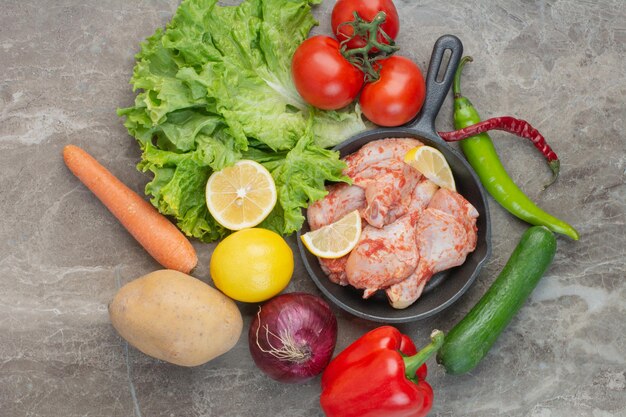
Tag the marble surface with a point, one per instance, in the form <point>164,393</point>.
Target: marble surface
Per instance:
<point>64,68</point>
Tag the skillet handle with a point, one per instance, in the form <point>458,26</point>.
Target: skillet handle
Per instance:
<point>436,91</point>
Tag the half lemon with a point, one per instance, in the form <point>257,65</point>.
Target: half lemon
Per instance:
<point>241,195</point>
<point>432,164</point>
<point>336,239</point>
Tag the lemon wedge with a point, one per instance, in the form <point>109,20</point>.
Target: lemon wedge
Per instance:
<point>336,239</point>
<point>432,164</point>
<point>242,195</point>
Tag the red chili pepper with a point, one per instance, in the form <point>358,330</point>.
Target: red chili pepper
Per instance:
<point>512,125</point>
<point>379,375</point>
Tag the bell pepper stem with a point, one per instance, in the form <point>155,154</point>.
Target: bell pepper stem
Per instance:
<point>412,363</point>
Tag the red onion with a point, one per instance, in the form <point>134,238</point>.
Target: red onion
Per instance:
<point>293,337</point>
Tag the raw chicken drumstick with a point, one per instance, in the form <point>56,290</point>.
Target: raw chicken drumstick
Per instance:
<point>444,238</point>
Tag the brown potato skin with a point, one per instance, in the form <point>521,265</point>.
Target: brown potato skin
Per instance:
<point>176,318</point>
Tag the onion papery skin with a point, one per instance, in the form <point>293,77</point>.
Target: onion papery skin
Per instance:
<point>293,337</point>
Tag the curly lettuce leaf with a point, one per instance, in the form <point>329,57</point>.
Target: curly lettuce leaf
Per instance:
<point>214,87</point>
<point>299,174</point>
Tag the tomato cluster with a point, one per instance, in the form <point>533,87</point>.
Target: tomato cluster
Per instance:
<point>326,78</point>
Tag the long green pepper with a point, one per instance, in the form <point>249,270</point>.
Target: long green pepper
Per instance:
<point>482,156</point>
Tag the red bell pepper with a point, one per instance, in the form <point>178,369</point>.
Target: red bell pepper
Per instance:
<point>379,375</point>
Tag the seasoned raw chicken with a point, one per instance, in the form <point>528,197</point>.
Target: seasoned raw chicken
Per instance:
<point>388,188</point>
<point>335,269</point>
<point>377,151</point>
<point>443,239</point>
<point>412,228</point>
<point>421,196</point>
<point>419,199</point>
<point>384,256</point>
<point>340,200</point>
<point>454,203</point>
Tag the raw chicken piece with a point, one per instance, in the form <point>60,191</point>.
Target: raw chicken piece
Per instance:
<point>388,188</point>
<point>442,243</point>
<point>446,233</point>
<point>421,196</point>
<point>414,229</point>
<point>405,293</point>
<point>454,203</point>
<point>340,200</point>
<point>443,240</point>
<point>383,257</point>
<point>377,151</point>
<point>335,269</point>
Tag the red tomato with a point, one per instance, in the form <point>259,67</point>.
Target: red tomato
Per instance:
<point>323,77</point>
<point>367,9</point>
<point>397,96</point>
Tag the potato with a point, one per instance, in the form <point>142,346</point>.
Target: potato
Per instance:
<point>176,318</point>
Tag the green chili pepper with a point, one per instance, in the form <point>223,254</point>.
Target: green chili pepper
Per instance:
<point>482,156</point>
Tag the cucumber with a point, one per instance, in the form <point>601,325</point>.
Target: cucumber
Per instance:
<point>470,340</point>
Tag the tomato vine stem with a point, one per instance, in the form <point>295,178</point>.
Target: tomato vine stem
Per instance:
<point>374,50</point>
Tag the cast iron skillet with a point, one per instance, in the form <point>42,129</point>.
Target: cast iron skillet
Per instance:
<point>445,287</point>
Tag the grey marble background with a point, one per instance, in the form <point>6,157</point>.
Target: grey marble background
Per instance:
<point>64,68</point>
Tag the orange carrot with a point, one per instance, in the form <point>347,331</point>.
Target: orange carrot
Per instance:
<point>167,245</point>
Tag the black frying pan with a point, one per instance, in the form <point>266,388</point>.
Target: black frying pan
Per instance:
<point>445,287</point>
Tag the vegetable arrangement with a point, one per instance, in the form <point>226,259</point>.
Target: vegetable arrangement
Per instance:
<point>224,87</point>
<point>482,156</point>
<point>215,87</point>
<point>330,74</point>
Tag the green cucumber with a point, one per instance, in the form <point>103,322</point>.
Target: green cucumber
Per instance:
<point>470,340</point>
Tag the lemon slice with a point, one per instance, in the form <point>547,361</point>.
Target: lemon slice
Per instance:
<point>336,239</point>
<point>432,164</point>
<point>241,196</point>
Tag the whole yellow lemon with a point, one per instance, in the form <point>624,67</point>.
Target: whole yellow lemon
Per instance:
<point>252,265</point>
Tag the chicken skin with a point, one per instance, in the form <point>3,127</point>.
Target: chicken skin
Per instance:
<point>388,186</point>
<point>454,203</point>
<point>335,269</point>
<point>444,239</point>
<point>376,151</point>
<point>383,257</point>
<point>421,196</point>
<point>340,200</point>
